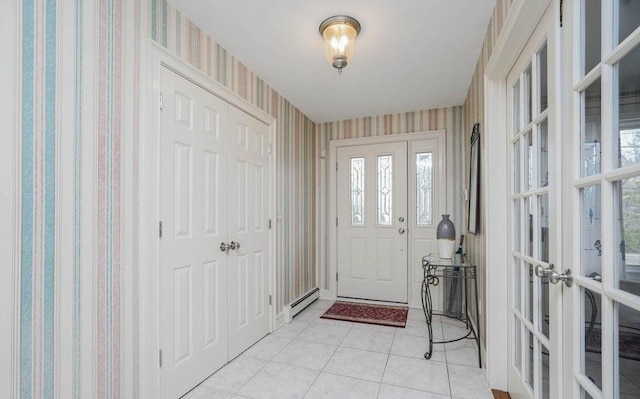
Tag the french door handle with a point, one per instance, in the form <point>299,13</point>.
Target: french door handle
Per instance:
<point>542,271</point>
<point>555,277</point>
<point>234,245</point>
<point>224,246</point>
<point>401,230</point>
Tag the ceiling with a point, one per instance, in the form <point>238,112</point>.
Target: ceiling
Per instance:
<point>411,54</point>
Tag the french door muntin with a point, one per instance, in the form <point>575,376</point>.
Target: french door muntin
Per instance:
<point>531,123</point>
<point>606,185</point>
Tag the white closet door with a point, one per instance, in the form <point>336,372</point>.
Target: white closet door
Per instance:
<point>248,207</point>
<point>372,222</point>
<point>193,270</point>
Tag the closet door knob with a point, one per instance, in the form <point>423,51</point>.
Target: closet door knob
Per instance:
<point>234,245</point>
<point>224,246</point>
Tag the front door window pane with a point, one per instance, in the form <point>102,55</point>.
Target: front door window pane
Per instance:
<point>629,17</point>
<point>591,129</point>
<point>528,226</point>
<point>385,190</point>
<point>543,223</point>
<point>629,108</point>
<point>591,18</point>
<point>518,222</point>
<point>516,108</point>
<point>516,167</point>
<point>591,238</point>
<point>527,95</point>
<point>357,191</point>
<point>424,185</point>
<point>545,360</point>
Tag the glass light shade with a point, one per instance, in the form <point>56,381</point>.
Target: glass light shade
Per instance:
<point>339,34</point>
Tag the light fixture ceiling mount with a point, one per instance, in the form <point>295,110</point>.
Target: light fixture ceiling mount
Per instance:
<point>339,33</point>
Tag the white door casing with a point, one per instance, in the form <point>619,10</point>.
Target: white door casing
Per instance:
<point>193,270</point>
<point>248,207</point>
<point>534,305</point>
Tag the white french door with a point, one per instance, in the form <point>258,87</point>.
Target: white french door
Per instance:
<point>602,314</point>
<point>372,222</point>
<point>534,324</point>
<point>214,245</point>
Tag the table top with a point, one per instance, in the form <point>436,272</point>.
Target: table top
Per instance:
<point>457,260</point>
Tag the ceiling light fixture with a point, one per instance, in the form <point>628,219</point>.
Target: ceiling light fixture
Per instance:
<point>339,33</point>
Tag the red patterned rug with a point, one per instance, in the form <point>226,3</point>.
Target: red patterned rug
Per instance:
<point>394,316</point>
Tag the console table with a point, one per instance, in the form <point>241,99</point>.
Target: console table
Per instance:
<point>460,271</point>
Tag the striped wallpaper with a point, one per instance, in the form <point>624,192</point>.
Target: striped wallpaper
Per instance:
<point>38,198</point>
<point>450,119</point>
<point>45,192</point>
<point>294,143</point>
<point>474,113</point>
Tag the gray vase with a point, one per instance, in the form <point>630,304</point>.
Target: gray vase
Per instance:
<point>446,229</point>
<point>446,235</point>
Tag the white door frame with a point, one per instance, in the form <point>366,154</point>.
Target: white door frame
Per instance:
<point>520,23</point>
<point>333,209</point>
<point>156,57</point>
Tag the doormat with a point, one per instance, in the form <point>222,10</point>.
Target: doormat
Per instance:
<point>628,344</point>
<point>393,316</point>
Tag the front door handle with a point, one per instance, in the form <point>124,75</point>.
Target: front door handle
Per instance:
<point>401,230</point>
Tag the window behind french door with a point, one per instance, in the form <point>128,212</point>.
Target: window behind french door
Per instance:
<point>606,197</point>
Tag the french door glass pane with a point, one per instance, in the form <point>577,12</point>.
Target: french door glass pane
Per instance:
<point>357,191</point>
<point>516,167</point>
<point>628,356</point>
<point>529,161</point>
<point>629,17</point>
<point>591,129</point>
<point>543,224</point>
<point>517,275</point>
<point>529,293</point>
<point>528,226</point>
<point>629,108</point>
<point>591,235</point>
<point>543,154</point>
<point>385,190</point>
<point>543,101</point>
<point>516,229</point>
<point>591,24</point>
<point>530,359</point>
<point>527,95</point>
<point>544,306</point>
<point>627,211</point>
<point>545,359</point>
<point>517,339</point>
<point>516,109</point>
<point>585,395</point>
<point>424,184</point>
<point>592,350</point>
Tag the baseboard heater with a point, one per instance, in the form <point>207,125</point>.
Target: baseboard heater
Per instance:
<point>299,304</point>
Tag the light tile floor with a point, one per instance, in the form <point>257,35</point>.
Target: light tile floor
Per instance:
<point>329,359</point>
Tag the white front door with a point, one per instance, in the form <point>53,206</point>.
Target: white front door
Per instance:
<point>248,210</point>
<point>534,324</point>
<point>372,221</point>
<point>602,313</point>
<point>193,270</point>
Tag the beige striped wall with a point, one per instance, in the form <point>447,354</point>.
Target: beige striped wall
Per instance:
<point>294,144</point>
<point>474,113</point>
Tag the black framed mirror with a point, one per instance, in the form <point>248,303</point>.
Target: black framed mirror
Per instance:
<point>474,180</point>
